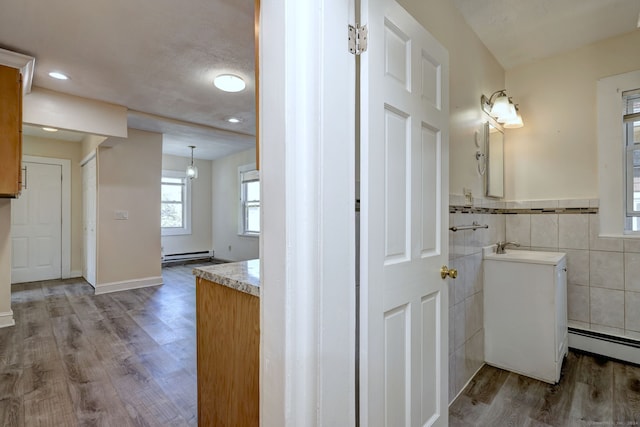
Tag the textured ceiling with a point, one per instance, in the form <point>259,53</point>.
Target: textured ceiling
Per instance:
<point>157,57</point>
<point>521,31</point>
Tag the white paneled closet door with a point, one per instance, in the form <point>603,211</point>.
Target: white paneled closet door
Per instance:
<point>89,196</point>
<point>36,225</point>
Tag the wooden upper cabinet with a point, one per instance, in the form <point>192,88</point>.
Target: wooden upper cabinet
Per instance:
<point>10,132</point>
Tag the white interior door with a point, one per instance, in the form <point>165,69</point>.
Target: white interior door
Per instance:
<point>36,225</point>
<point>89,220</point>
<point>404,217</point>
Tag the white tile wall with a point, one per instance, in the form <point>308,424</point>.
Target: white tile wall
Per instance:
<point>607,307</point>
<point>603,274</point>
<point>466,333</point>
<point>544,230</point>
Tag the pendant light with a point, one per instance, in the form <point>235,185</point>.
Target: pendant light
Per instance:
<point>192,170</point>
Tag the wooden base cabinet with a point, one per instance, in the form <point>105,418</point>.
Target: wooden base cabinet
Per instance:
<point>10,132</point>
<point>228,340</point>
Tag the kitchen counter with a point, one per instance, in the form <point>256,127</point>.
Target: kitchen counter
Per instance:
<point>228,343</point>
<point>243,276</point>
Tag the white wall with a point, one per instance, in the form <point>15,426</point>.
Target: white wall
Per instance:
<point>129,172</point>
<point>225,196</point>
<point>200,237</point>
<point>473,72</point>
<point>554,156</point>
<point>71,150</point>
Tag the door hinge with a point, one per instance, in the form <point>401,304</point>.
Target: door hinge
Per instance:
<point>357,39</point>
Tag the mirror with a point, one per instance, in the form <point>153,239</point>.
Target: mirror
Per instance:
<point>494,149</point>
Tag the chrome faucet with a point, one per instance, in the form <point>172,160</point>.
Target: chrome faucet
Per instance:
<point>502,245</point>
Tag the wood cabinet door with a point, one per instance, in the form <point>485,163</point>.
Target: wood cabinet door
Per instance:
<point>10,131</point>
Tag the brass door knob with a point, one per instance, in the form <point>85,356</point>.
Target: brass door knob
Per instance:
<point>446,271</point>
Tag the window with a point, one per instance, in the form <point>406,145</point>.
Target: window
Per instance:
<point>249,219</point>
<point>631,120</point>
<point>175,211</point>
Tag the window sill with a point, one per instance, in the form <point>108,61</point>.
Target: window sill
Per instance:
<point>249,235</point>
<point>175,232</point>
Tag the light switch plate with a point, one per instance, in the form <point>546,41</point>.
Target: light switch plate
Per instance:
<point>122,214</point>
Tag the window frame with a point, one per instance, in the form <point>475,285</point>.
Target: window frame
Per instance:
<point>242,205</point>
<point>632,215</point>
<point>186,205</point>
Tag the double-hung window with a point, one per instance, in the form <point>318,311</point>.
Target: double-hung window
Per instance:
<point>631,119</point>
<point>175,211</point>
<point>249,218</point>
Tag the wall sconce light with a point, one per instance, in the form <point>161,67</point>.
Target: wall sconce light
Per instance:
<point>500,106</point>
<point>192,170</point>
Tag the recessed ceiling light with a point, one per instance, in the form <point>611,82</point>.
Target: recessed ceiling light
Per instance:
<point>229,83</point>
<point>50,129</point>
<point>58,75</point>
<point>233,120</point>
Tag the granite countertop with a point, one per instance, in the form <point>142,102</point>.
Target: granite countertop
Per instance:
<point>243,276</point>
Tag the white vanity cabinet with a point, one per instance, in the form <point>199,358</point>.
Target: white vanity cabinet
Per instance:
<point>525,312</point>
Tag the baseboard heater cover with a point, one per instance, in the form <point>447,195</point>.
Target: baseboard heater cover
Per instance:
<point>615,347</point>
<point>187,256</point>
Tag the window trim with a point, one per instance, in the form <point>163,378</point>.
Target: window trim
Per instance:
<point>186,229</point>
<point>241,200</point>
<point>612,154</point>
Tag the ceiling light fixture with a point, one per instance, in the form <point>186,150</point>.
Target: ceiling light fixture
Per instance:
<point>233,120</point>
<point>501,107</point>
<point>192,170</point>
<point>229,83</point>
<point>50,129</point>
<point>58,75</point>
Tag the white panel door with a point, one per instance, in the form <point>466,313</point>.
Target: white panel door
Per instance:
<point>89,220</point>
<point>36,225</point>
<point>404,218</point>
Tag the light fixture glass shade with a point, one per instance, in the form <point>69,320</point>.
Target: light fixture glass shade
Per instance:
<point>510,115</point>
<point>500,107</point>
<point>515,123</point>
<point>192,172</point>
<point>229,83</point>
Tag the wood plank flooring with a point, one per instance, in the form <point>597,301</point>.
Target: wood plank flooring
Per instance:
<point>129,359</point>
<point>593,391</point>
<point>120,359</point>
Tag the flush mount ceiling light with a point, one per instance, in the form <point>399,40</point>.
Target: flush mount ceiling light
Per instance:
<point>58,75</point>
<point>233,120</point>
<point>50,129</point>
<point>229,83</point>
<point>192,170</point>
<point>501,107</point>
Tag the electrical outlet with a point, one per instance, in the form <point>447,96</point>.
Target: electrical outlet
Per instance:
<point>468,196</point>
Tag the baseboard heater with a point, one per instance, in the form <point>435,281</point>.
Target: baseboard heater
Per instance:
<point>187,256</point>
<point>615,347</point>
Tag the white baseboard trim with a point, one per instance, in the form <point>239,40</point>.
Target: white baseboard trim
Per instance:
<point>105,288</point>
<point>6,319</point>
<point>614,350</point>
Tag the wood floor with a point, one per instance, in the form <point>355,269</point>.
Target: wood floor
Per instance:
<point>121,359</point>
<point>129,359</point>
<point>592,391</point>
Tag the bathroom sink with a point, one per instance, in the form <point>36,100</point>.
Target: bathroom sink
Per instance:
<point>533,257</point>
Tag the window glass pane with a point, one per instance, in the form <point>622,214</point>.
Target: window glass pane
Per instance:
<point>253,219</point>
<point>172,193</point>
<point>167,180</point>
<point>171,215</point>
<point>635,129</point>
<point>253,190</point>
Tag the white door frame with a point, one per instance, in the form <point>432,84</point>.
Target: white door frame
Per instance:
<point>307,246</point>
<point>65,164</point>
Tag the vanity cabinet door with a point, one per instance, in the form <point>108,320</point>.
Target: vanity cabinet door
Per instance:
<point>10,132</point>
